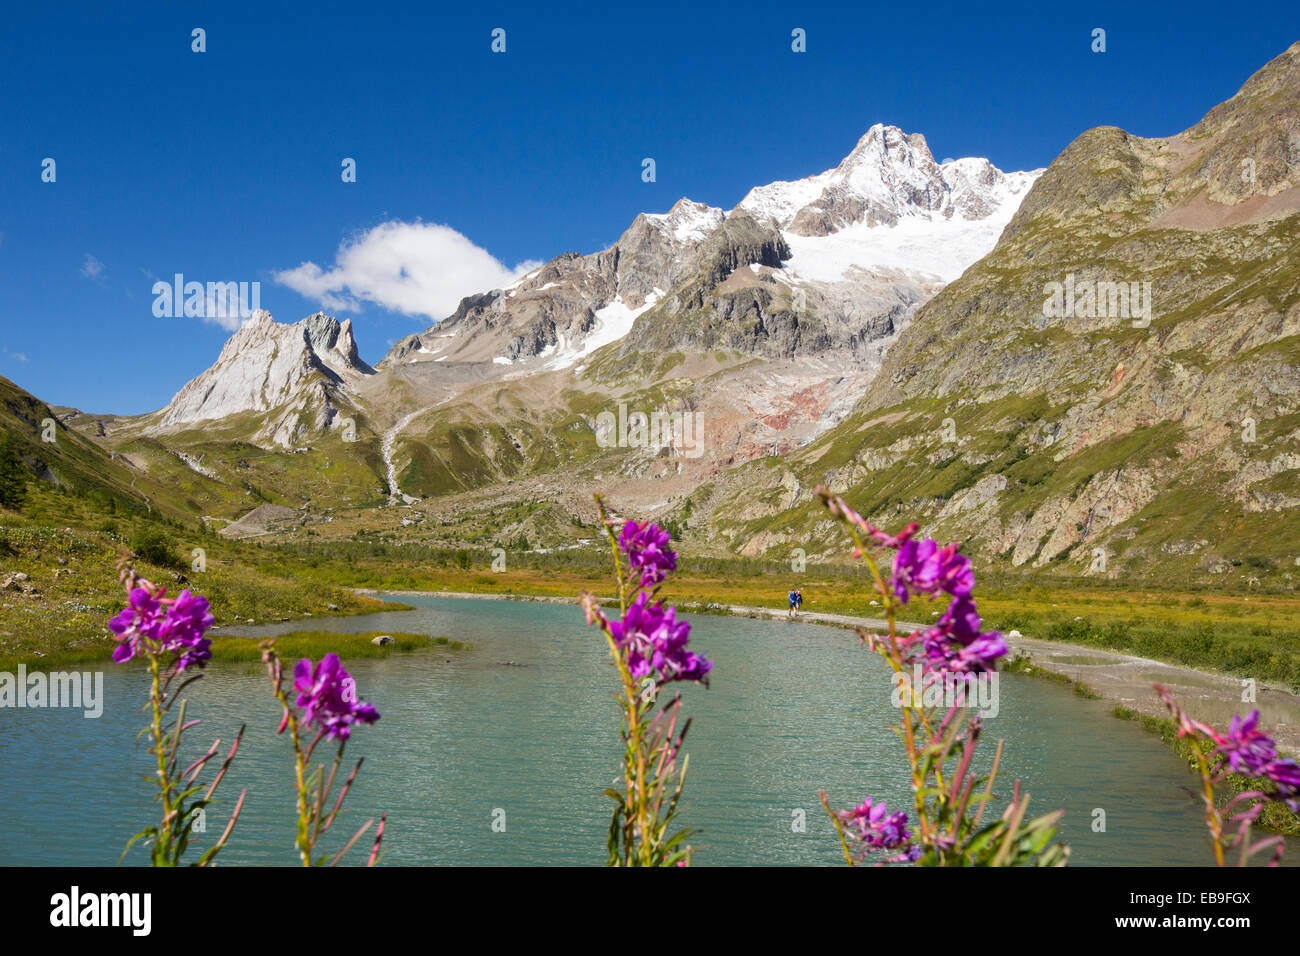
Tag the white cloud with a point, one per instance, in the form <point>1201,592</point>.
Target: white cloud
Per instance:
<point>414,268</point>
<point>92,268</point>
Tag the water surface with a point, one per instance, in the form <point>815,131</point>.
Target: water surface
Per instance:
<point>524,723</point>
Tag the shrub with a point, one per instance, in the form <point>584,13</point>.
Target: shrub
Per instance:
<point>153,545</point>
<point>13,474</point>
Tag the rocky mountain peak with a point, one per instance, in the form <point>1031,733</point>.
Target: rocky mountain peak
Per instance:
<point>268,366</point>
<point>686,222</point>
<point>902,162</point>
<point>1115,427</point>
<point>333,343</point>
<point>573,304</point>
<point>889,176</point>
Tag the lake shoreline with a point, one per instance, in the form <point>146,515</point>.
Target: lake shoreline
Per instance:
<point>1119,679</point>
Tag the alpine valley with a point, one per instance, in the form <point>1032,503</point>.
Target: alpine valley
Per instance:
<point>882,327</point>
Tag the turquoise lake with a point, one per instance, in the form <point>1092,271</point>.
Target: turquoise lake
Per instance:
<point>524,721</point>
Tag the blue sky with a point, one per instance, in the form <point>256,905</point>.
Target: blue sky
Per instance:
<point>225,165</point>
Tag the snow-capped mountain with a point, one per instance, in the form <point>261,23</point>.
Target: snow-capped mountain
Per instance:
<point>889,205</point>
<point>573,304</point>
<point>889,176</point>
<point>687,222</point>
<point>887,216</point>
<point>821,273</point>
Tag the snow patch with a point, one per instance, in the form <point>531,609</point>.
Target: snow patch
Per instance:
<point>687,221</point>
<point>936,248</point>
<point>523,278</point>
<point>612,323</point>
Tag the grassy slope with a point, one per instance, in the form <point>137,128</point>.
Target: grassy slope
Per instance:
<point>76,463</point>
<point>63,618</point>
<point>247,475</point>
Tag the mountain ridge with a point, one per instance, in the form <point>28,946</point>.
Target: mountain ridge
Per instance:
<point>1099,442</point>
<point>821,336</point>
<point>694,278</point>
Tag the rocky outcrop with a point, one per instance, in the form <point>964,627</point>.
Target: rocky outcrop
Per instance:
<point>557,312</point>
<point>294,376</point>
<point>741,299</point>
<point>263,519</point>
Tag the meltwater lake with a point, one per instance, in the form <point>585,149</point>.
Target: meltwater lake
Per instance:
<point>524,721</point>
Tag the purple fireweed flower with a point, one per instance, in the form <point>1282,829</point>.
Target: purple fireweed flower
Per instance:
<point>1246,748</point>
<point>916,568</point>
<point>140,618</point>
<point>656,641</point>
<point>328,697</point>
<point>925,568</point>
<point>873,827</point>
<point>955,574</point>
<point>176,626</point>
<point>962,620</point>
<point>980,655</point>
<point>958,644</point>
<point>182,630</point>
<point>646,547</point>
<point>1250,751</point>
<point>1286,774</point>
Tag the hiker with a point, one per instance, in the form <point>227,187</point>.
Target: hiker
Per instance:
<point>798,599</point>
<point>792,597</point>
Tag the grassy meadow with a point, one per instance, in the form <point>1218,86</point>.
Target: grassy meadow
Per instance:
<point>68,547</point>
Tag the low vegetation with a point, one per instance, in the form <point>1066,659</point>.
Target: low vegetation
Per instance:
<point>316,644</point>
<point>1275,817</point>
<point>59,587</point>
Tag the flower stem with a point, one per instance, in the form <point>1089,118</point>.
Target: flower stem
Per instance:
<point>162,848</point>
<point>1212,817</point>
